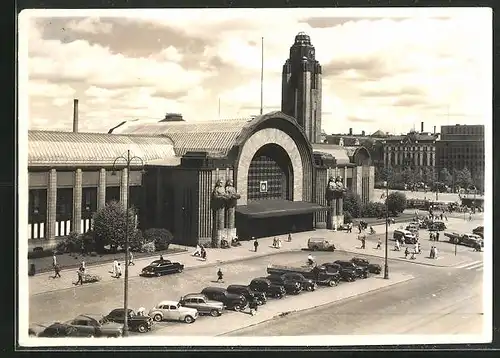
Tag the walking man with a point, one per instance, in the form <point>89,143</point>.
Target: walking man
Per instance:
<point>54,260</point>
<point>118,271</point>
<point>437,236</point>
<point>220,276</point>
<point>131,259</point>
<point>255,245</point>
<point>407,252</point>
<point>289,237</point>
<point>80,277</point>
<point>379,243</point>
<point>57,271</point>
<point>363,242</point>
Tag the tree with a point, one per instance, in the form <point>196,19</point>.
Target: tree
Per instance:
<point>386,174</point>
<point>352,204</point>
<point>407,176</point>
<point>428,176</point>
<point>396,203</point>
<point>464,178</point>
<point>109,224</point>
<point>373,210</point>
<point>161,237</point>
<point>446,177</point>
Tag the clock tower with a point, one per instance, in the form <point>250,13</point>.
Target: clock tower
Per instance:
<point>301,87</point>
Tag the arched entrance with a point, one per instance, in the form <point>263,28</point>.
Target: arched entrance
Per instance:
<point>270,174</point>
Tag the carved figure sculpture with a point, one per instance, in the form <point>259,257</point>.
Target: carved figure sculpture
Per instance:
<point>218,200</point>
<point>231,199</point>
<point>331,203</point>
<point>340,193</point>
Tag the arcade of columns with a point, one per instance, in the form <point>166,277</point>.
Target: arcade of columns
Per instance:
<point>399,154</point>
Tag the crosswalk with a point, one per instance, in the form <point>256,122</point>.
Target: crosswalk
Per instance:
<point>474,265</point>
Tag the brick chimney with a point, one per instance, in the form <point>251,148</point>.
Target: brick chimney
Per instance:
<point>362,133</point>
<point>421,127</point>
<point>75,115</point>
<point>350,131</point>
<point>434,129</point>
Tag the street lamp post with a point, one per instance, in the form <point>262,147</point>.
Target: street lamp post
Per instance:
<point>386,266</point>
<point>128,160</point>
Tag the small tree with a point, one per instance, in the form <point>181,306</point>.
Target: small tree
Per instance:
<point>373,210</point>
<point>161,237</point>
<point>428,176</point>
<point>408,177</point>
<point>464,178</point>
<point>352,204</point>
<point>109,226</point>
<point>446,177</point>
<point>386,174</point>
<point>396,203</point>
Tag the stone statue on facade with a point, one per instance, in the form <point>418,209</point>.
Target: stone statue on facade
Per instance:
<point>231,199</point>
<point>218,204</point>
<point>334,194</point>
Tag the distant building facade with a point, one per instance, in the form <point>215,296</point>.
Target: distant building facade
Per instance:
<point>462,146</point>
<point>415,150</point>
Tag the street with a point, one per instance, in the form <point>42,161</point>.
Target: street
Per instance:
<point>439,301</point>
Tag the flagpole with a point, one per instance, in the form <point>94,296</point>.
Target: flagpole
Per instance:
<point>219,107</point>
<point>262,77</point>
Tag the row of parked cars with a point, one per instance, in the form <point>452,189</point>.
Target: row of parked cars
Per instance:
<point>213,301</point>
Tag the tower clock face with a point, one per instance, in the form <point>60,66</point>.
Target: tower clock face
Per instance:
<point>311,53</point>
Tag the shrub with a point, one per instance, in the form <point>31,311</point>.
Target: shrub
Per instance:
<point>352,204</point>
<point>373,210</point>
<point>161,237</point>
<point>110,224</point>
<point>396,203</point>
<point>39,254</point>
<point>136,241</point>
<point>148,247</point>
<point>347,217</point>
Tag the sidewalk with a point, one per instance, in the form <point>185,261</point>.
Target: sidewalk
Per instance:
<point>343,241</point>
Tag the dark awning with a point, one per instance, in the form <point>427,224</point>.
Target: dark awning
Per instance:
<point>270,208</point>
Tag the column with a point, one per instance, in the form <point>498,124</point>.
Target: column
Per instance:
<point>101,189</point>
<point>433,159</point>
<point>50,225</point>
<point>428,157</point>
<point>421,155</point>
<point>77,202</point>
<point>345,177</point>
<point>415,158</point>
<point>123,188</point>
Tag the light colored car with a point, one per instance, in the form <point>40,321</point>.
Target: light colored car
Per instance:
<point>173,311</point>
<point>320,244</point>
<point>202,304</point>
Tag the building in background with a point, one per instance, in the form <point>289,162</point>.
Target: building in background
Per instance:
<point>462,146</point>
<point>415,150</point>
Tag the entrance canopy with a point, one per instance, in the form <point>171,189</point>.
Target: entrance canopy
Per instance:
<point>274,208</point>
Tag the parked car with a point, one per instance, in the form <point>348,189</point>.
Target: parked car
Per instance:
<point>202,304</point>
<point>36,329</point>
<point>248,293</point>
<point>320,244</point>
<point>479,231</point>
<point>437,226</point>
<point>230,300</point>
<point>162,267</point>
<point>137,323</point>
<point>94,325</point>
<point>306,284</point>
<point>346,274</point>
<point>317,274</point>
<point>412,227</point>
<point>372,268</point>
<point>173,311</point>
<point>57,330</point>
<point>407,237</point>
<point>291,287</point>
<point>361,272</point>
<point>471,240</point>
<point>264,285</point>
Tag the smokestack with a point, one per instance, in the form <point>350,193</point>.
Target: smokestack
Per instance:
<point>434,129</point>
<point>362,133</point>
<point>422,127</point>
<point>350,131</point>
<point>75,115</point>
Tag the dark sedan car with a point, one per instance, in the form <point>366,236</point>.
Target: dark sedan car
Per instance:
<point>264,285</point>
<point>59,330</point>
<point>162,267</point>
<point>361,272</point>
<point>292,287</point>
<point>308,285</point>
<point>248,293</point>
<point>141,324</point>
<point>346,274</point>
<point>372,268</point>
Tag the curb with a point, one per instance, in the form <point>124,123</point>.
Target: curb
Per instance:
<point>281,314</point>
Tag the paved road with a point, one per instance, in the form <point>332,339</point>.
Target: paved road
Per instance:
<point>440,301</point>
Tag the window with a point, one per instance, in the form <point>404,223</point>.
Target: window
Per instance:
<point>172,307</point>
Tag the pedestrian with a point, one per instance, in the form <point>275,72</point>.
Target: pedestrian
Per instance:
<point>407,252</point>
<point>203,254</point>
<point>278,242</point>
<point>275,243</point>
<point>161,258</point>
<point>446,218</point>
<point>54,260</point>
<point>417,248</point>
<point>379,243</point>
<point>114,269</point>
<point>397,248</point>
<point>118,271</point>
<point>437,236</point>
<point>435,252</point>
<point>141,311</point>
<point>82,267</point>
<point>470,216</point>
<point>289,237</point>
<point>431,255</point>
<point>255,245</point>
<point>413,253</point>
<point>359,228</point>
<point>253,305</point>
<point>57,271</point>
<point>131,259</point>
<point>363,242</point>
<point>220,276</point>
<point>441,216</point>
<point>80,277</point>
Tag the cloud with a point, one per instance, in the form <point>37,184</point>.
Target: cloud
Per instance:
<point>379,72</point>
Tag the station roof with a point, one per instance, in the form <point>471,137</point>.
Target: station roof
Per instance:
<point>274,208</point>
<point>341,154</point>
<point>49,148</point>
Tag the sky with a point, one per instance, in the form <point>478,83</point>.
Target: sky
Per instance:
<point>387,70</point>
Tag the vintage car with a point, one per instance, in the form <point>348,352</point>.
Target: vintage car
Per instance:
<point>36,329</point>
<point>141,324</point>
<point>162,267</point>
<point>231,301</point>
<point>437,226</point>
<point>306,284</point>
<point>407,237</point>
<point>173,311</point>
<point>320,244</point>
<point>248,293</point>
<point>57,330</point>
<point>291,287</point>
<point>95,325</point>
<point>262,284</point>
<point>479,231</point>
<point>471,240</point>
<point>345,273</point>
<point>202,304</point>
<point>361,272</point>
<point>372,268</point>
<point>317,274</point>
